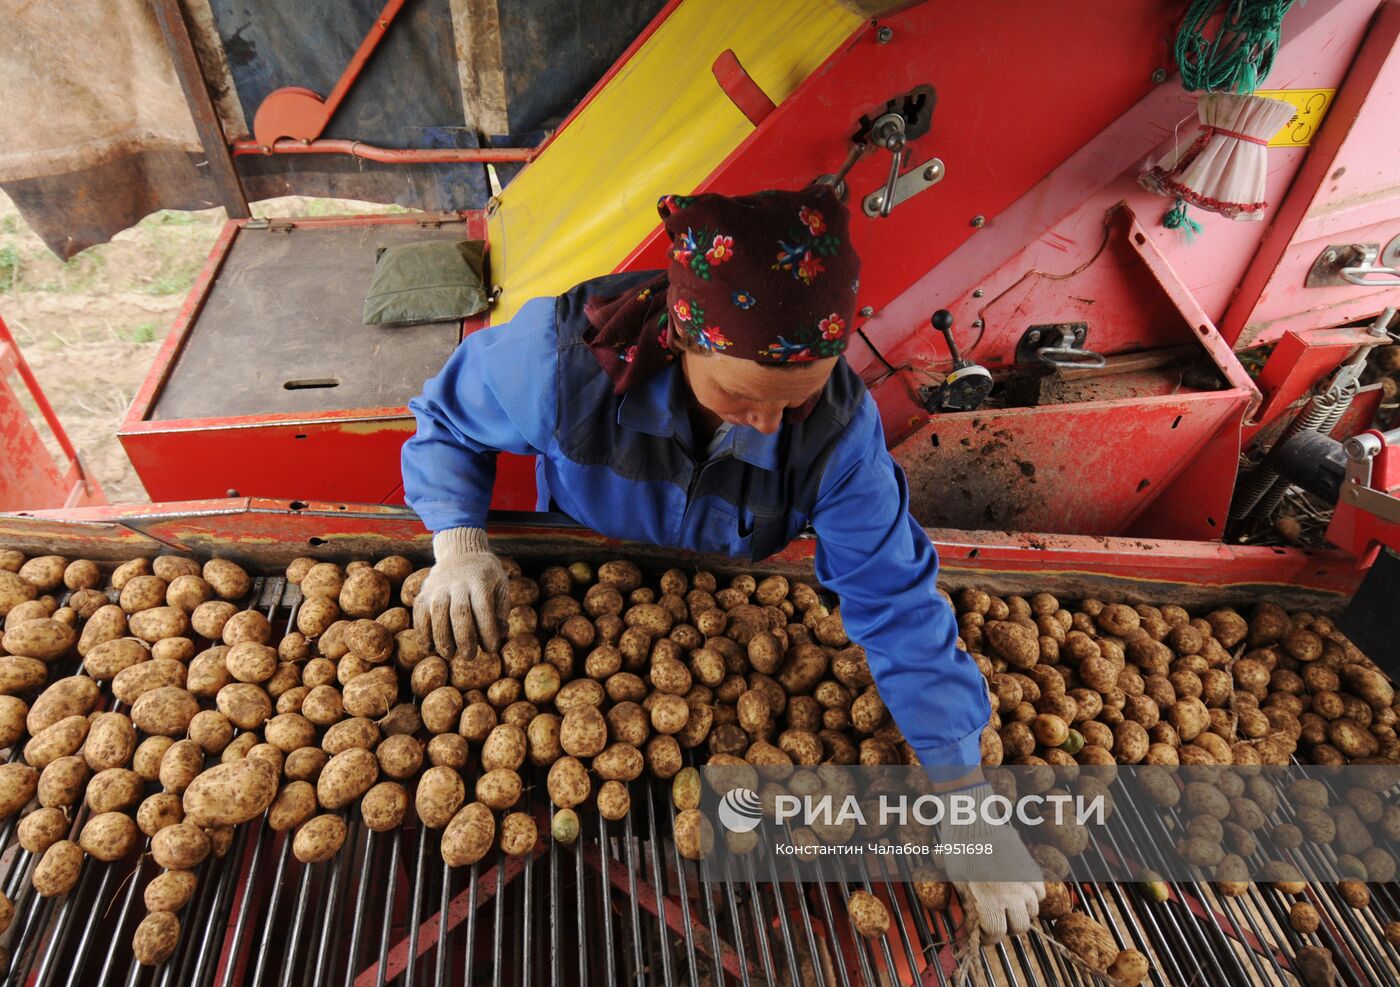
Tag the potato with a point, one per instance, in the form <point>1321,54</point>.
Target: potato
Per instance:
<point>159,811</point>
<point>188,593</point>
<point>400,756</point>
<point>1315,967</point>
<point>669,714</point>
<point>1304,918</point>
<point>42,828</point>
<point>384,806</point>
<point>249,661</point>
<point>357,732</point>
<point>62,781</point>
<point>57,870</point>
<point>346,777</point>
<point>868,914</point>
<point>229,580</point>
<point>108,836</point>
<point>60,740</point>
<point>170,890</point>
<point>107,624</point>
<point>180,847</point>
<point>440,794</point>
<point>694,836</point>
<point>166,711</point>
<point>365,593</point>
<point>45,639</point>
<point>1087,939</point>
<point>469,836</point>
<point>319,839</point>
<point>181,764</point>
<point>246,705</point>
<point>614,802</point>
<point>518,834</point>
<point>440,709</point>
<point>663,756</point>
<point>109,658</point>
<point>14,591</point>
<point>936,896</point>
<point>305,764</point>
<point>20,674</point>
<point>159,622</point>
<point>130,684</point>
<point>293,805</point>
<point>568,783</point>
<point>145,760</point>
<point>1129,968</point>
<point>142,593</point>
<point>620,762</point>
<point>231,793</point>
<point>156,938</point>
<point>500,789</point>
<point>584,732</point>
<point>73,696</point>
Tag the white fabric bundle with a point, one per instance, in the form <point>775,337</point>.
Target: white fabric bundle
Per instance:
<point>1221,164</point>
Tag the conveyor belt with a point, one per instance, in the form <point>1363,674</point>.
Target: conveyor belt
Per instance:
<point>619,906</point>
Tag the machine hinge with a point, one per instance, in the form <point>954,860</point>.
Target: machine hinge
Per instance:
<point>1366,265</point>
<point>434,221</point>
<point>269,225</point>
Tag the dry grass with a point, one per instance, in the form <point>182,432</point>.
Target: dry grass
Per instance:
<point>90,328</point>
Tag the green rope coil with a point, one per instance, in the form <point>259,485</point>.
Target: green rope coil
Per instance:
<point>1177,219</point>
<point>1239,54</point>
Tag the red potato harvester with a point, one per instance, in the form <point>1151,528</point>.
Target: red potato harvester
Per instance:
<point>1086,403</point>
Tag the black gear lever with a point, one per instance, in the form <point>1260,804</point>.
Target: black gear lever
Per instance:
<point>967,384</point>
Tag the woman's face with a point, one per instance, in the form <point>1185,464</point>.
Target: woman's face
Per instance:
<point>747,393</point>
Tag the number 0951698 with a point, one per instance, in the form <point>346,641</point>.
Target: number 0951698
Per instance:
<point>1311,105</point>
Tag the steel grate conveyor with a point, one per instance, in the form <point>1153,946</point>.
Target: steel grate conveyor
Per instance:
<point>620,906</point>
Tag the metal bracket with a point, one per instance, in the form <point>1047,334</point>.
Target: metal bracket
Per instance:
<point>1052,335</point>
<point>906,186</point>
<point>435,221</point>
<point>1362,451</point>
<point>270,226</point>
<point>1359,264</point>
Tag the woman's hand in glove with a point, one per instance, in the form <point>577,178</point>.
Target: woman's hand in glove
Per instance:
<point>464,599</point>
<point>998,884</point>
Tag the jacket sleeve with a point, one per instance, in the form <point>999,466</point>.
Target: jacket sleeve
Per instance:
<point>496,393</point>
<point>878,560</point>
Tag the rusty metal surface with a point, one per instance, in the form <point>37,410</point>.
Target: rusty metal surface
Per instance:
<point>1071,468</point>
<point>267,534</point>
<point>284,318</point>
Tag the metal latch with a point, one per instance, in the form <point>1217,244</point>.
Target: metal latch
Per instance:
<point>1059,344</point>
<point>269,225</point>
<point>1362,264</point>
<point>435,220</point>
<point>906,186</point>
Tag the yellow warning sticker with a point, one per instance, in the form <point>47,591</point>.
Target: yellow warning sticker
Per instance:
<point>1311,105</point>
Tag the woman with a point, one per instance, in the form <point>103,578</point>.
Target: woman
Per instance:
<point>707,408</point>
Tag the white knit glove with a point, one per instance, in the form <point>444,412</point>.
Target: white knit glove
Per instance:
<point>993,883</point>
<point>465,596</point>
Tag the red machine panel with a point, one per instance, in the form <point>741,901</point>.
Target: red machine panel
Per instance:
<point>31,477</point>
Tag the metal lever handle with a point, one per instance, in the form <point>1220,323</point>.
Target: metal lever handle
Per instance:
<point>1071,356</point>
<point>1360,276</point>
<point>888,131</point>
<point>887,197</point>
<point>1359,273</point>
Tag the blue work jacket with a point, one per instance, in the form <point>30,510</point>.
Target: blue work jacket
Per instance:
<point>625,466</point>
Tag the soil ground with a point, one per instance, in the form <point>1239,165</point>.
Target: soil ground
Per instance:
<point>90,328</point>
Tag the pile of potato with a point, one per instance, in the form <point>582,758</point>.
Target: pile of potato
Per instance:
<point>601,677</point>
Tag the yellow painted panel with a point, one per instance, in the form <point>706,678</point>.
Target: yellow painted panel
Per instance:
<point>1312,105</point>
<point>661,125</point>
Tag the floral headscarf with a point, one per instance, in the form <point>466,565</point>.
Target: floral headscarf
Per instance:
<point>769,277</point>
